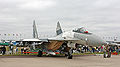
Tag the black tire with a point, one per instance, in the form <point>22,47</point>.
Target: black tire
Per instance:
<point>66,55</point>
<point>69,57</point>
<point>39,53</point>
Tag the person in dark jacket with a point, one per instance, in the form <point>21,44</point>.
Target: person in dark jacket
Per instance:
<point>0,50</point>
<point>3,50</point>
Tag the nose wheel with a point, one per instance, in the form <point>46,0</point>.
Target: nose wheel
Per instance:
<point>69,56</point>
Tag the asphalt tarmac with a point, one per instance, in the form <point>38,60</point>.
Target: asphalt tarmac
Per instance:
<point>79,61</point>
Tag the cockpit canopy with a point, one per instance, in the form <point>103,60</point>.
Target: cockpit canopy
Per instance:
<point>80,30</point>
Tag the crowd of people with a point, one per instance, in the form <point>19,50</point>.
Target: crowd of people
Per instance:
<point>99,49</point>
<point>9,50</point>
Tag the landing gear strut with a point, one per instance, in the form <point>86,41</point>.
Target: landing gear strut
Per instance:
<point>39,53</point>
<point>69,56</point>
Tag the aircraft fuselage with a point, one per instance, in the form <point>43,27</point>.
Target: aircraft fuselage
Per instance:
<point>84,39</point>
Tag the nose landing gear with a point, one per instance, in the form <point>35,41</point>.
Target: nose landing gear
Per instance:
<point>69,56</point>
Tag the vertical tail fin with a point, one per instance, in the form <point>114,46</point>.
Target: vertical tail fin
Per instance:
<point>58,29</point>
<point>35,34</point>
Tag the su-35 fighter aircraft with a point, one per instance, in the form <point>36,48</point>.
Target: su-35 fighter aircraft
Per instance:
<point>65,41</point>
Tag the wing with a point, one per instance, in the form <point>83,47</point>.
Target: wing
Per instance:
<point>60,38</point>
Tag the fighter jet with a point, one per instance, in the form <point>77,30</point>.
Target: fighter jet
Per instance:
<point>65,42</point>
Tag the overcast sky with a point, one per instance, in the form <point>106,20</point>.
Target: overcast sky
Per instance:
<point>98,16</point>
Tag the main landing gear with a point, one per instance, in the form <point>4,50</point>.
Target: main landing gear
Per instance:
<point>39,53</point>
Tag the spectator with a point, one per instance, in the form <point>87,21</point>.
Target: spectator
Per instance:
<point>22,50</point>
<point>11,50</point>
<point>3,50</point>
<point>16,50</point>
<point>25,50</point>
<point>117,50</point>
<point>0,50</point>
<point>93,49</point>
